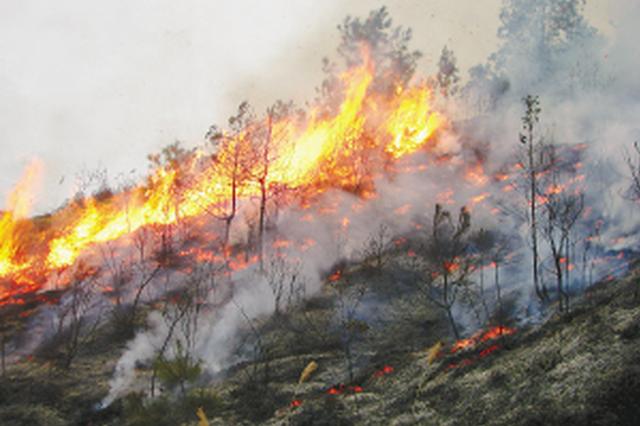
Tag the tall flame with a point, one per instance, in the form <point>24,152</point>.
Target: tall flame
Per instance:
<point>19,203</point>
<point>316,153</point>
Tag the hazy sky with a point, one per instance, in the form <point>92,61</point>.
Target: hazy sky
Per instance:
<point>85,84</point>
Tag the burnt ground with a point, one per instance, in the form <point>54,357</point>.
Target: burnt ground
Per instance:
<point>577,368</point>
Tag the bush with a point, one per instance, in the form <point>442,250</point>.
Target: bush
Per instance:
<point>33,415</point>
<point>179,371</point>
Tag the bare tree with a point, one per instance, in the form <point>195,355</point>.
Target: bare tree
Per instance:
<point>494,249</point>
<point>283,277</point>
<point>348,297</point>
<point>447,261</point>
<point>232,160</point>
<point>376,248</point>
<point>77,318</point>
<point>181,314</point>
<point>532,167</point>
<point>265,146</point>
<point>563,207</point>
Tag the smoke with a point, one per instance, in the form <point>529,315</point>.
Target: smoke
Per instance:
<point>587,88</point>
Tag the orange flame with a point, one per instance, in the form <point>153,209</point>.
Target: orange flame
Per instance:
<point>309,155</point>
<point>19,204</point>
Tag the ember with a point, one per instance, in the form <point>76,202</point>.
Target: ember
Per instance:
<point>387,369</point>
<point>480,337</point>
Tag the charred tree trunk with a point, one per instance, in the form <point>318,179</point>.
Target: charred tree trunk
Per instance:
<point>496,281</point>
<point>3,343</point>
<point>448,304</point>
<point>263,187</point>
<point>558,266</point>
<point>482,295</point>
<point>234,205</point>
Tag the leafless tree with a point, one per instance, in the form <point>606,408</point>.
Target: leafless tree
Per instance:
<point>532,167</point>
<point>77,317</point>
<point>563,207</point>
<point>446,261</point>
<point>376,248</point>
<point>181,314</point>
<point>283,277</point>
<point>493,249</point>
<point>232,159</point>
<point>265,146</point>
<point>348,297</point>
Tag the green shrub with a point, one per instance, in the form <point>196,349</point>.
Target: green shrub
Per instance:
<point>178,371</point>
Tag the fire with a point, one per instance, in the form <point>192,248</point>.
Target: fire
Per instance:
<point>385,370</point>
<point>412,121</point>
<point>481,337</point>
<point>478,338</point>
<point>476,176</point>
<point>19,204</point>
<point>310,155</point>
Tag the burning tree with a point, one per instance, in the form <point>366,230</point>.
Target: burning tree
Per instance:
<point>388,45</point>
<point>447,260</point>
<point>232,160</point>
<point>264,149</point>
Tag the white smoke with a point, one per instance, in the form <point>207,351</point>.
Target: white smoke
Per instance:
<point>588,89</point>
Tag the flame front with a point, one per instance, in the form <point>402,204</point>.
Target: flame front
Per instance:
<point>19,204</point>
<point>310,156</point>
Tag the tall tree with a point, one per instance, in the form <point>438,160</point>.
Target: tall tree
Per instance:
<point>447,260</point>
<point>265,149</point>
<point>531,168</point>
<point>388,46</point>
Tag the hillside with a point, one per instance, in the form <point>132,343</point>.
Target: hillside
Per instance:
<point>579,368</point>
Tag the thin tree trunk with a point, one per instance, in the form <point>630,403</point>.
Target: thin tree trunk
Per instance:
<point>558,266</point>
<point>534,226</point>
<point>263,189</point>
<point>497,285</point>
<point>263,203</point>
<point>484,302</point>
<point>448,305</point>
